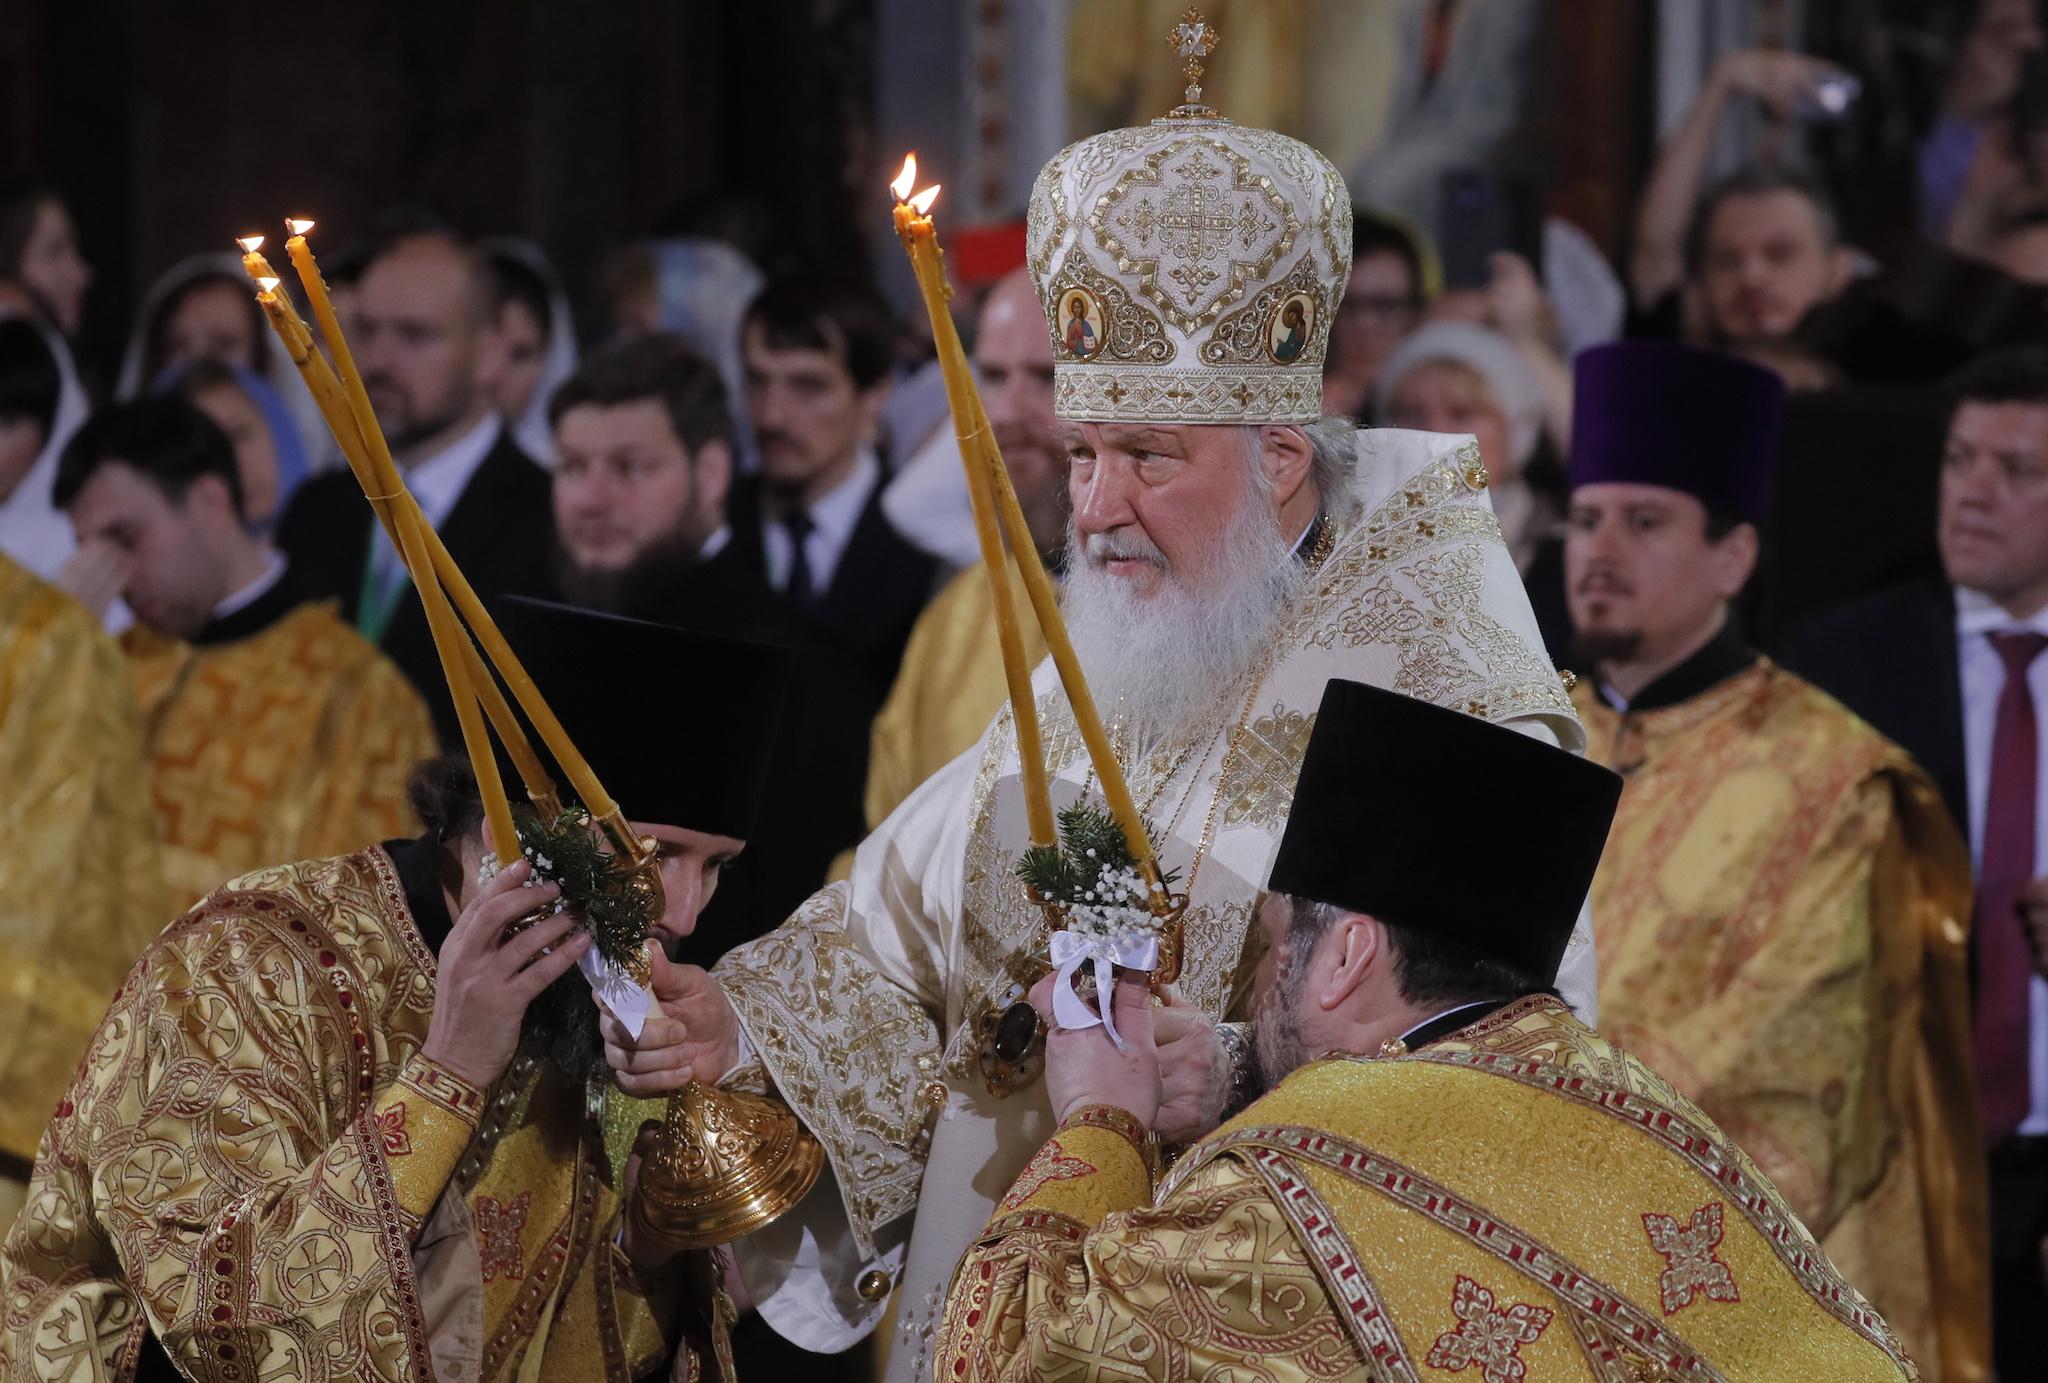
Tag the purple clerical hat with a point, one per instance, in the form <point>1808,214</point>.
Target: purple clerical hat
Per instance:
<point>1696,421</point>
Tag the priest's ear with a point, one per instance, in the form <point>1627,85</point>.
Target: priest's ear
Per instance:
<point>1733,549</point>
<point>1286,459</point>
<point>1353,956</point>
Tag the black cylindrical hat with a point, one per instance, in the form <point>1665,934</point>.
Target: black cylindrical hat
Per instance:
<point>1395,814</point>
<point>679,726</point>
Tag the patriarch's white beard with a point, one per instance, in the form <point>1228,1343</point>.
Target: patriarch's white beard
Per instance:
<point>1166,662</point>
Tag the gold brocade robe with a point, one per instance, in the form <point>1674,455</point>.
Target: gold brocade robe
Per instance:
<point>251,1165</point>
<point>291,744</point>
<point>80,882</point>
<point>950,687</point>
<point>1781,916</point>
<point>1521,1200</point>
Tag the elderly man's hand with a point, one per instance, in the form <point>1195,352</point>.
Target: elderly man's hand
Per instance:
<point>1194,1071</point>
<point>1084,1067</point>
<point>690,1034</point>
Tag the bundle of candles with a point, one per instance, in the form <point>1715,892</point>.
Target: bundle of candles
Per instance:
<point>726,1162</point>
<point>998,516</point>
<point>457,618</point>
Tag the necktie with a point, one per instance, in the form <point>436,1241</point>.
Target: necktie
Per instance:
<point>798,588</point>
<point>2005,963</point>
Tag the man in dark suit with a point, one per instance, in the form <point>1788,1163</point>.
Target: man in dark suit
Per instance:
<point>1952,669</point>
<point>645,448</point>
<point>425,336</point>
<point>817,375</point>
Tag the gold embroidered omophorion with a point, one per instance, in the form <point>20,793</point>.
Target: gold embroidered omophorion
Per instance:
<point>251,1166</point>
<point>1522,1200</point>
<point>1781,918</point>
<point>81,888</point>
<point>291,744</point>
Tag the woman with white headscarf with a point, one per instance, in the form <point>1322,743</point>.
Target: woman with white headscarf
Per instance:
<point>202,308</point>
<point>42,403</point>
<point>540,340</point>
<point>1454,376</point>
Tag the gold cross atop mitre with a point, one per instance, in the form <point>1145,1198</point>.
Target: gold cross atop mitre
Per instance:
<point>1193,39</point>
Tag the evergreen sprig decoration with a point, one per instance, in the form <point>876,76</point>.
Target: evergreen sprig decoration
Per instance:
<point>1091,876</point>
<point>570,853</point>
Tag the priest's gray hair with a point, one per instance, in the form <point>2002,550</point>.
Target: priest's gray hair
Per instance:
<point>1332,465</point>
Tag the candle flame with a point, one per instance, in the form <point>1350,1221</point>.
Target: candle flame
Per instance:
<point>906,179</point>
<point>922,202</point>
<point>298,225</point>
<point>267,284</point>
<point>250,243</point>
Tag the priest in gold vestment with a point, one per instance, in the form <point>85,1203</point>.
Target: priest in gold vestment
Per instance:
<point>273,731</point>
<point>80,890</point>
<point>1781,913</point>
<point>1451,1176</point>
<point>1231,552</point>
<point>340,1123</point>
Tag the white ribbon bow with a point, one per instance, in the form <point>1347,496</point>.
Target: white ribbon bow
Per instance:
<point>1070,951</point>
<point>626,998</point>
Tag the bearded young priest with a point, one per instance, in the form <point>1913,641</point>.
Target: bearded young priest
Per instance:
<point>340,1124</point>
<point>1451,1170</point>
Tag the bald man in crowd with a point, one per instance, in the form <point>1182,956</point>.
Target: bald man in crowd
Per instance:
<point>951,681</point>
<point>425,335</point>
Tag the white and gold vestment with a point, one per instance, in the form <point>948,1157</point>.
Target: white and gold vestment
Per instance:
<point>863,1008</point>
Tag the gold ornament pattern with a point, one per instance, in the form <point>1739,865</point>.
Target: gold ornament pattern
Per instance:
<point>1251,1252</point>
<point>1193,217</point>
<point>851,1054</point>
<point>1131,331</point>
<point>500,1223</point>
<point>1244,337</point>
<point>1695,1271</point>
<point>227,1157</point>
<point>292,744</point>
<point>1051,1164</point>
<point>1486,1338</point>
<point>1257,784</point>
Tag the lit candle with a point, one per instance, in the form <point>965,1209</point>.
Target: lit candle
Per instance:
<point>915,228</point>
<point>449,640</point>
<point>253,263</point>
<point>584,781</point>
<point>327,392</point>
<point>988,484</point>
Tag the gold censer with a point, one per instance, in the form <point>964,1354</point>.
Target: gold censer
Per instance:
<point>725,1163</point>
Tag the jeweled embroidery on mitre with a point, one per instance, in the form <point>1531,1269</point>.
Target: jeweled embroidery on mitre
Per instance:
<point>1189,271</point>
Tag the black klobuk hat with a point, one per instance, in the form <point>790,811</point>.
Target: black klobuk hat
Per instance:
<point>1438,821</point>
<point>679,726</point>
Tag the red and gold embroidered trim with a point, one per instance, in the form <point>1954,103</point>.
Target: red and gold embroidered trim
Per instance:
<point>1330,1249</point>
<point>1572,1287</point>
<point>1110,1117</point>
<point>423,1123</point>
<point>443,1087</point>
<point>1711,1158</point>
